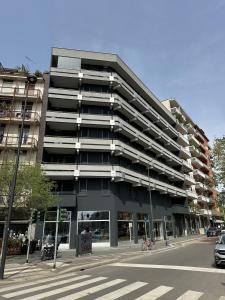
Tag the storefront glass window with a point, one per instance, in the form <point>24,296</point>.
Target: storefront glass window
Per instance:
<point>95,222</point>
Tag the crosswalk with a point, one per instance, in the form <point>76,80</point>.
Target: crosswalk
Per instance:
<point>18,271</point>
<point>74,285</point>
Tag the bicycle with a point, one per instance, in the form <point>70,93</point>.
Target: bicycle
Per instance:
<point>146,244</point>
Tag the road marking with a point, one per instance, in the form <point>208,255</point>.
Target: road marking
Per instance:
<point>92,290</point>
<point>43,287</point>
<point>23,285</point>
<point>23,271</point>
<point>63,289</point>
<point>170,267</point>
<point>156,293</point>
<point>190,295</point>
<point>123,291</point>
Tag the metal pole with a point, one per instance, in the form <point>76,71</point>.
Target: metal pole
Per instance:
<point>11,196</point>
<point>151,212</point>
<point>29,238</point>
<point>56,238</point>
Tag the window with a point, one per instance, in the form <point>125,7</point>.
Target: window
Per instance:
<point>105,185</point>
<point>83,185</point>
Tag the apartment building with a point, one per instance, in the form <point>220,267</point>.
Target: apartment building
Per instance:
<point>19,96</point>
<point>116,153</point>
<point>201,194</point>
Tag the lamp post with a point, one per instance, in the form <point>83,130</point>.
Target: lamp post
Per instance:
<point>30,79</point>
<point>151,212</point>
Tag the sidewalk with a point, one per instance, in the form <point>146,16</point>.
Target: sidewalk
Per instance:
<point>101,255</point>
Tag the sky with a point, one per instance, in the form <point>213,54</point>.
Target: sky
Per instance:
<point>176,47</point>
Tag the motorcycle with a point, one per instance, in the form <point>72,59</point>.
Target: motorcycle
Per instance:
<point>47,250</point>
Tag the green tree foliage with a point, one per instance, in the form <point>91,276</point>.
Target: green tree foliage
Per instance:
<point>219,161</point>
<point>33,189</point>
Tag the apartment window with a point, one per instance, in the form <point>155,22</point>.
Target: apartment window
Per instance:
<point>83,185</point>
<point>105,185</point>
<point>71,63</point>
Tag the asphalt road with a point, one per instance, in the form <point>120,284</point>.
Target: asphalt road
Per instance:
<point>185,273</point>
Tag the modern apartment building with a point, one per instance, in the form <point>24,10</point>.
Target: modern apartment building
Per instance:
<point>117,155</point>
<point>17,97</point>
<point>201,194</point>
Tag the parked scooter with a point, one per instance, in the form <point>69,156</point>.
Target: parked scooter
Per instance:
<point>47,249</point>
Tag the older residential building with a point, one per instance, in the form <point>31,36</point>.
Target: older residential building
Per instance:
<point>17,97</point>
<point>118,156</point>
<point>201,194</point>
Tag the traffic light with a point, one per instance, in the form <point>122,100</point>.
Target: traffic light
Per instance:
<point>40,215</point>
<point>34,217</point>
<point>63,215</point>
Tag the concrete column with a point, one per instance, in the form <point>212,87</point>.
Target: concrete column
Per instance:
<point>135,229</point>
<point>113,228</point>
<point>73,230</point>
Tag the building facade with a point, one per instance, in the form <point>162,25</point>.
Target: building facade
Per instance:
<point>201,194</point>
<point>116,154</point>
<point>18,97</point>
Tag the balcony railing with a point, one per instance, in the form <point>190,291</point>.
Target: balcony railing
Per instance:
<point>12,141</point>
<point>117,147</point>
<point>118,83</point>
<point>116,173</point>
<point>21,92</point>
<point>17,115</point>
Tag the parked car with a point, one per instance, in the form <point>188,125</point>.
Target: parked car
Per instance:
<point>213,231</point>
<point>219,251</point>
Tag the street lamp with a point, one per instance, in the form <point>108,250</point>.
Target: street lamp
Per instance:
<point>151,212</point>
<point>31,79</point>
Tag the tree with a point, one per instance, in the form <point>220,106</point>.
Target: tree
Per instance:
<point>219,161</point>
<point>33,189</point>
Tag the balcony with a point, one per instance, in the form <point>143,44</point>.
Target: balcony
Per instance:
<point>188,166</point>
<point>193,140</point>
<point>194,151</point>
<point>202,198</point>
<point>184,153</point>
<point>16,116</point>
<point>65,78</point>
<point>199,174</point>
<point>205,212</point>
<point>116,173</point>
<point>21,93</point>
<point>69,121</point>
<point>197,163</point>
<point>11,142</point>
<point>189,180</point>
<point>70,145</point>
<point>200,186</point>
<point>181,128</point>
<point>117,103</point>
<point>190,128</point>
<point>191,194</point>
<point>182,140</point>
<point>199,136</point>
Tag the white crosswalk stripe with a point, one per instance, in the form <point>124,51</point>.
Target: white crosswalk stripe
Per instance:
<point>123,291</point>
<point>63,289</point>
<point>190,295</point>
<point>92,290</point>
<point>28,270</point>
<point>155,293</point>
<point>72,285</point>
<point>26,284</point>
<point>44,286</point>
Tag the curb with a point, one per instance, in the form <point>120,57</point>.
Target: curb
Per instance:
<point>171,246</point>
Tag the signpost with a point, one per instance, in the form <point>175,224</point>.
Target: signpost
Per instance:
<point>130,228</point>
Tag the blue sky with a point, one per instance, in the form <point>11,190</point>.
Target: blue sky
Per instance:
<point>176,47</point>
